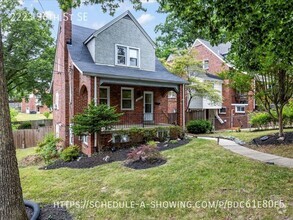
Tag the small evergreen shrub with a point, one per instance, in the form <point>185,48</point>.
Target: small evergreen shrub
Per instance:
<point>47,149</point>
<point>70,153</point>
<point>199,126</point>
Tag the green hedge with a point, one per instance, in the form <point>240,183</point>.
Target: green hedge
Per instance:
<point>199,126</point>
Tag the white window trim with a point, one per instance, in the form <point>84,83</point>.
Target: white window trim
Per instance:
<point>57,101</point>
<point>85,139</point>
<point>132,98</point>
<point>223,113</point>
<point>108,94</point>
<point>127,56</point>
<point>71,136</point>
<point>239,105</point>
<point>57,130</point>
<point>203,62</point>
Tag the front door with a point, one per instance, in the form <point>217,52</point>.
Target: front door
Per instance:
<point>148,106</point>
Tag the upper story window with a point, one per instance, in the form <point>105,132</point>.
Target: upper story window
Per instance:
<point>127,56</point>
<point>105,95</point>
<point>205,64</point>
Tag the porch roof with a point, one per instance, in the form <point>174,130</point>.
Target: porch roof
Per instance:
<point>84,63</point>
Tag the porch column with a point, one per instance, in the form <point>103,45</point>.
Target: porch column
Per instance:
<point>180,108</point>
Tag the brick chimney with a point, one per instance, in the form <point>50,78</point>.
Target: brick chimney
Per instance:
<point>66,25</point>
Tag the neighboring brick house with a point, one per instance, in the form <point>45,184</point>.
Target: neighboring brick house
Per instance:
<point>33,104</point>
<point>235,106</point>
<point>114,65</point>
<point>233,112</point>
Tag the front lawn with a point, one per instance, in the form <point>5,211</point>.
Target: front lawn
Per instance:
<point>199,171</point>
<point>248,136</point>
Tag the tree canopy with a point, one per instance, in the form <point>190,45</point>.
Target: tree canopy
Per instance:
<point>260,33</point>
<point>28,54</point>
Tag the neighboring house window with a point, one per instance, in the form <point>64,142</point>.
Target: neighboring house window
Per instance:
<point>56,101</point>
<point>85,139</point>
<point>127,99</point>
<point>127,56</point>
<point>239,109</point>
<point>205,64</point>
<point>223,110</point>
<point>57,130</point>
<point>172,94</point>
<point>105,95</point>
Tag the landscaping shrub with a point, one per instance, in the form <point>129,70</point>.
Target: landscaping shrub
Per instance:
<point>25,125</point>
<point>260,119</point>
<point>176,132</point>
<point>48,148</point>
<point>199,126</point>
<point>143,153</point>
<point>70,153</point>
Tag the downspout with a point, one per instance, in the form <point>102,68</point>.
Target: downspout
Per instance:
<point>95,101</point>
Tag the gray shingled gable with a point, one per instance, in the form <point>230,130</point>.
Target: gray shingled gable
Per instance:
<point>83,61</point>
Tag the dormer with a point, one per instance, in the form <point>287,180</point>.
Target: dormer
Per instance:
<point>122,43</point>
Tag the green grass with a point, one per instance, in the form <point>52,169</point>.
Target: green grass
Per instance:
<point>198,171</point>
<point>248,136</point>
<point>31,117</point>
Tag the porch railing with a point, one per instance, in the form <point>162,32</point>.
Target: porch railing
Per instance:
<point>129,120</point>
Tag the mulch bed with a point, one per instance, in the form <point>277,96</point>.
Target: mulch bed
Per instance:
<point>49,212</point>
<point>100,158</point>
<point>273,139</point>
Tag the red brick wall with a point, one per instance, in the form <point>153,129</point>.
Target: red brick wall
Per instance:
<point>216,65</point>
<point>61,80</point>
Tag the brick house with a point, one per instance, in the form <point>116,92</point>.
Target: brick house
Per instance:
<point>114,65</point>
<point>233,112</point>
<point>33,104</point>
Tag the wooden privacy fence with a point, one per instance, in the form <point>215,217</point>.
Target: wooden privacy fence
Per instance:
<point>30,137</point>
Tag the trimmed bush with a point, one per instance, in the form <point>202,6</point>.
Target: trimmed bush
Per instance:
<point>46,114</point>
<point>176,132</point>
<point>199,126</point>
<point>70,153</point>
<point>47,149</point>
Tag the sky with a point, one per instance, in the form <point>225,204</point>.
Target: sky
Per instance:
<point>92,16</point>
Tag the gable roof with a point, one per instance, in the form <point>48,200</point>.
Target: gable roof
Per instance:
<point>83,61</point>
<point>125,14</point>
<point>220,50</point>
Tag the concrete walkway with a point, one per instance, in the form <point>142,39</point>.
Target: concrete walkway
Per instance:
<point>253,154</point>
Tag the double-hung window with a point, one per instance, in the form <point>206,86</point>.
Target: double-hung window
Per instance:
<point>205,64</point>
<point>127,102</point>
<point>105,95</point>
<point>127,56</point>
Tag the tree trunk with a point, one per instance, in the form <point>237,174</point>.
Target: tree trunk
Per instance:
<point>11,200</point>
<point>280,117</point>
